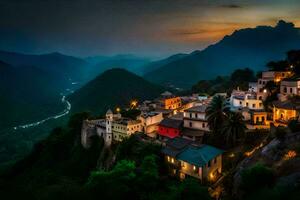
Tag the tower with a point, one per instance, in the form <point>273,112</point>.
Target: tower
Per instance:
<point>109,120</point>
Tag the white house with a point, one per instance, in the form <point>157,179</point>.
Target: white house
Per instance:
<point>195,118</point>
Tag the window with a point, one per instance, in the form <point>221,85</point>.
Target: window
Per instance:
<point>260,98</point>
<point>190,115</point>
<point>253,105</point>
<point>203,125</point>
<point>240,103</point>
<point>215,160</point>
<point>191,124</point>
<point>260,104</point>
<point>247,104</point>
<point>196,116</point>
<point>291,90</point>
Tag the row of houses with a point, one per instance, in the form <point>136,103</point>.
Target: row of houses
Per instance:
<point>251,102</point>
<point>179,123</point>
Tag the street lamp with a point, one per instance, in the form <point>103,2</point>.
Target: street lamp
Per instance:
<point>133,103</point>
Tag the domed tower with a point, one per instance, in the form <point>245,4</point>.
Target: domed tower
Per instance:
<point>109,119</point>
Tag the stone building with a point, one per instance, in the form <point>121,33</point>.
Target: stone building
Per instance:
<point>113,128</point>
<point>150,121</point>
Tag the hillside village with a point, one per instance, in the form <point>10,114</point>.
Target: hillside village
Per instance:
<point>182,124</point>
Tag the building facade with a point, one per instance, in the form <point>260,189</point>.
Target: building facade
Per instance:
<point>195,118</point>
<point>185,158</point>
<point>169,128</point>
<point>290,87</point>
<point>150,121</point>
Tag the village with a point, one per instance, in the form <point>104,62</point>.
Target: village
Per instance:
<point>181,123</point>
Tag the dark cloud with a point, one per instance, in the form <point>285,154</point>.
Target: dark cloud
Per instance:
<point>231,6</point>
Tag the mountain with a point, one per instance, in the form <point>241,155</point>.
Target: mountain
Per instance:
<point>250,47</point>
<point>115,87</point>
<point>157,64</point>
<point>131,63</point>
<point>26,94</point>
<point>64,68</point>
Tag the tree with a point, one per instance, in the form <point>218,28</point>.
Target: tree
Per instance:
<point>75,122</point>
<point>216,113</point>
<point>293,58</point>
<point>242,77</point>
<point>147,180</point>
<point>233,128</point>
<point>191,189</point>
<point>256,178</point>
<point>114,184</point>
<point>281,65</point>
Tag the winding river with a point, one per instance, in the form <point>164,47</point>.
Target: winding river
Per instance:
<point>61,114</point>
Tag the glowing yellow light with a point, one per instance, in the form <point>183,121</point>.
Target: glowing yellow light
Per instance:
<point>211,175</point>
<point>265,90</point>
<point>133,103</point>
<point>277,79</point>
<point>172,160</point>
<point>249,153</point>
<point>231,155</point>
<point>194,168</point>
<point>291,66</point>
<point>290,154</point>
<point>118,109</point>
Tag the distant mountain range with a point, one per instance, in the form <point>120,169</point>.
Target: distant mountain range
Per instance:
<point>250,47</point>
<point>131,63</point>
<point>64,68</point>
<point>27,78</point>
<point>115,87</point>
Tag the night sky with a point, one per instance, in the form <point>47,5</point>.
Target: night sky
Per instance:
<point>143,27</point>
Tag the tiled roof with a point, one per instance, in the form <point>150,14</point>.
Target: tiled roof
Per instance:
<point>171,123</point>
<point>188,151</point>
<point>290,105</point>
<point>198,109</point>
<point>192,132</point>
<point>199,155</point>
<point>175,146</point>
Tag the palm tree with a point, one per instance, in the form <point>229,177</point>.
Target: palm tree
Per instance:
<point>216,113</point>
<point>233,128</point>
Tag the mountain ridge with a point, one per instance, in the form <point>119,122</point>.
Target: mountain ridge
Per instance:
<point>250,47</point>
<point>114,87</point>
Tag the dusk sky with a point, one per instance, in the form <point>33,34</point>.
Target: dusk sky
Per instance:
<point>143,27</point>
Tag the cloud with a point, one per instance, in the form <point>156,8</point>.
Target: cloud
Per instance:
<point>233,6</point>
